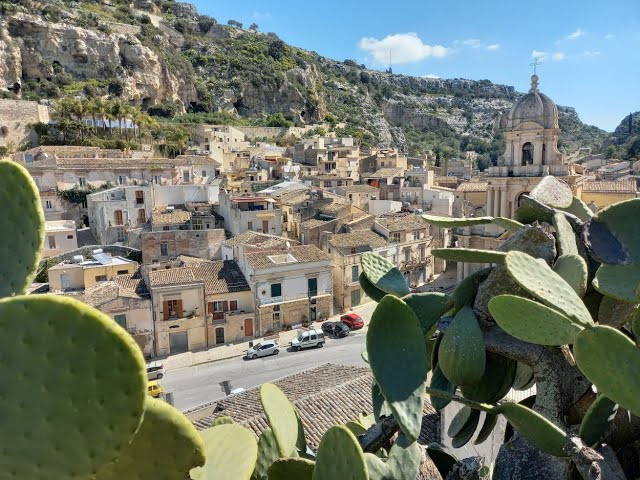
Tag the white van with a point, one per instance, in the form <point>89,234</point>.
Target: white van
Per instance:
<point>308,339</point>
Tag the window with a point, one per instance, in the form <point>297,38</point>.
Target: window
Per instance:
<point>233,305</point>
<point>121,319</point>
<point>276,290</point>
<point>101,278</point>
<point>276,308</point>
<point>122,272</point>
<point>422,253</point>
<point>171,309</point>
<point>82,182</point>
<point>139,197</point>
<point>48,204</point>
<point>407,255</point>
<point>117,216</point>
<point>69,237</point>
<point>395,237</point>
<point>204,173</point>
<point>196,223</point>
<point>355,273</point>
<point>353,251</point>
<point>276,321</point>
<point>164,249</point>
<point>122,180</point>
<point>186,177</point>
<point>218,306</point>
<point>417,234</point>
<point>312,286</point>
<point>249,225</point>
<point>120,235</point>
<point>157,179</point>
<point>52,241</point>
<point>265,226</point>
<point>142,216</point>
<point>28,158</point>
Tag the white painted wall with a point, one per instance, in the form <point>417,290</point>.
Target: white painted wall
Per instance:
<point>181,194</point>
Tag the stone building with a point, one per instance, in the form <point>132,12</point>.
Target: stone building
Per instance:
<point>163,245</point>
<point>291,285</point>
<point>15,118</point>
<point>359,195</point>
<point>601,193</point>
<point>338,156</point>
<point>60,237</point>
<point>247,212</point>
<point>81,273</point>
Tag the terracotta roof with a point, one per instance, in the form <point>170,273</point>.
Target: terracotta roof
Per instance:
<point>295,197</point>
<point>359,189</point>
<point>160,216</point>
<point>131,282</point>
<point>171,276</point>
<point>402,222</point>
<point>301,254</point>
<point>313,223</point>
<point>442,179</point>
<point>260,240</point>
<point>324,396</point>
<point>120,286</point>
<point>598,186</point>
<point>387,172</point>
<point>472,187</point>
<point>221,276</point>
<point>358,238</point>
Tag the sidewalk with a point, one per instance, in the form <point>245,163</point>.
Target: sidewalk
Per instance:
<point>238,349</point>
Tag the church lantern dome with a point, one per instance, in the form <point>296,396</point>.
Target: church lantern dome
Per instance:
<point>534,107</point>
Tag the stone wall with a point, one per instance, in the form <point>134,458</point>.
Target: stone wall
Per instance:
<point>15,115</point>
<point>293,313</point>
<point>195,243</point>
<point>252,133</point>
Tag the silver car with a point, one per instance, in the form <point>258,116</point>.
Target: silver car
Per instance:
<point>263,349</point>
<point>155,371</point>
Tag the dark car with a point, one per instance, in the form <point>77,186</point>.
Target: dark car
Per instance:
<point>352,320</point>
<point>335,329</point>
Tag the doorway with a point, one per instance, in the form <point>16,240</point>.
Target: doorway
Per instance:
<point>248,327</point>
<point>219,335</point>
<point>527,154</point>
<point>178,342</point>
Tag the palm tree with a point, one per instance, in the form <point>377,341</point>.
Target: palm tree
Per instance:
<point>111,115</point>
<point>117,110</point>
<point>63,113</point>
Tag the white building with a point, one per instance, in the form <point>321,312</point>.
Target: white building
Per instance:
<point>256,214</point>
<point>61,237</point>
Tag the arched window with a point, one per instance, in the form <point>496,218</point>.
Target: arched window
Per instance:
<point>527,154</point>
<point>219,335</point>
<point>519,198</point>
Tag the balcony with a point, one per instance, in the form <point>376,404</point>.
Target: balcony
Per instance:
<point>289,298</point>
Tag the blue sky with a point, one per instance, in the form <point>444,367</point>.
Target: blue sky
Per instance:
<point>590,49</point>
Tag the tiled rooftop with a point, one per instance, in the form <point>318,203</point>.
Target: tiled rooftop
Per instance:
<point>259,240</point>
<point>472,187</point>
<point>402,222</point>
<point>313,223</point>
<point>161,216</point>
<point>358,238</point>
<point>601,186</point>
<point>221,276</point>
<point>359,189</point>
<point>127,286</point>
<point>388,172</point>
<point>301,254</point>
<point>324,396</point>
<point>171,276</point>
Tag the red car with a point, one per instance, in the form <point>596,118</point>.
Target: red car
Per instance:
<point>352,320</point>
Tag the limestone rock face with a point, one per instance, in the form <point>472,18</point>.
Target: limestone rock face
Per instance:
<point>31,46</point>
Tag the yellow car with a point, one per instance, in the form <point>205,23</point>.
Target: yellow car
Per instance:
<point>154,388</point>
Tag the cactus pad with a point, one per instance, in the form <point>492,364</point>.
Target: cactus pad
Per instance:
<point>488,424</point>
<point>533,322</point>
<point>282,418</point>
<point>465,292</point>
<point>573,270</point>
<point>340,456</point>
<point>231,452</point>
<point>507,224</point>
<point>380,407</point>
<point>618,281</point>
<point>448,222</point>
<point>496,381</point>
<point>441,383</point>
<point>462,355</point>
<point>443,461</point>
<point>597,420</point>
<point>383,274</point>
<point>539,431</point>
<point>524,377</point>
<point>543,283</point>
<point>579,209</point>
<point>73,388</point>
<point>612,234</point>
<point>616,313</point>
<point>291,469</point>
<point>22,221</point>
<point>553,192</point>
<point>395,343</point>
<point>465,434</point>
<point>460,420</point>
<point>370,289</point>
<point>428,307</point>
<point>267,454</point>
<point>166,436</point>
<point>531,210</point>
<point>611,361</point>
<point>469,255</point>
<point>403,462</point>
<point>566,238</point>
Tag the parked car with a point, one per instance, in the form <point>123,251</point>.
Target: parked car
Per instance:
<point>353,321</point>
<point>155,371</point>
<point>335,329</point>
<point>154,389</point>
<point>263,349</point>
<point>308,339</point>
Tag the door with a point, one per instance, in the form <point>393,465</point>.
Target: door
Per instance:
<point>248,327</point>
<point>178,342</point>
<point>265,226</point>
<point>312,314</point>
<point>312,285</point>
<point>355,297</point>
<point>219,335</point>
<point>64,281</point>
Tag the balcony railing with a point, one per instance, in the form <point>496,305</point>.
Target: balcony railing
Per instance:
<point>287,298</point>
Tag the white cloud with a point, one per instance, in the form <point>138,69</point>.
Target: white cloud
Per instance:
<point>591,53</point>
<point>609,36</point>
<point>575,35</point>
<point>542,56</point>
<point>493,47</point>
<point>558,56</point>
<point>431,75</point>
<point>260,15</point>
<point>404,48</point>
<point>472,42</point>
<point>539,54</point>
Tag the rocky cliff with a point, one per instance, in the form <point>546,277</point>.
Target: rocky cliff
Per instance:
<point>157,51</point>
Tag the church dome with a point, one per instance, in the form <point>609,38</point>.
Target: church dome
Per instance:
<point>535,107</point>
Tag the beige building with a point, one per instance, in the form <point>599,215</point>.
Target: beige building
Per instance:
<point>160,246</point>
<point>337,156</point>
<point>125,299</point>
<point>359,195</point>
<point>81,274</point>
<point>60,237</point>
<point>601,193</point>
<point>382,158</point>
<point>410,234</point>
<point>247,212</point>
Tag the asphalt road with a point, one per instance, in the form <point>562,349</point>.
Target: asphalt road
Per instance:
<point>197,385</point>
